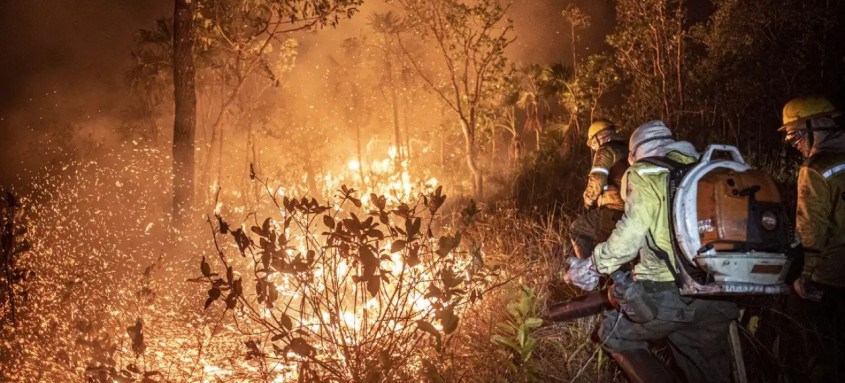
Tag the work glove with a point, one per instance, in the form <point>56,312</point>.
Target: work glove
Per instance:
<point>807,289</point>
<point>581,274</point>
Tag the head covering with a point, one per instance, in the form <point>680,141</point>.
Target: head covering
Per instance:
<point>598,126</point>
<point>654,139</point>
<point>607,136</point>
<point>826,139</point>
<point>800,109</point>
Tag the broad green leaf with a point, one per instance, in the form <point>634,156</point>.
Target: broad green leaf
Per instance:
<point>513,310</point>
<point>528,348</point>
<point>506,327</point>
<point>522,335</point>
<point>507,342</point>
<point>533,322</point>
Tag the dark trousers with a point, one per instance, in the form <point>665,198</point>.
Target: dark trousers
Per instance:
<point>827,326</point>
<point>697,330</point>
<point>592,228</point>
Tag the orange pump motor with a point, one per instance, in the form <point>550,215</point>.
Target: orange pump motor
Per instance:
<point>741,210</point>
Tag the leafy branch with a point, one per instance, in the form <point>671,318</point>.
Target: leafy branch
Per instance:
<point>346,290</point>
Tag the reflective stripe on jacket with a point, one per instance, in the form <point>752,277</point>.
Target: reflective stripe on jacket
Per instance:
<point>604,180</point>
<point>646,210</point>
<point>820,217</point>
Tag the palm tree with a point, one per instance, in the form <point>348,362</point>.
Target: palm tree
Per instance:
<point>507,119</point>
<point>533,96</point>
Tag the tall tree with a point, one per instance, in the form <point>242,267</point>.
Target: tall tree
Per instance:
<point>650,50</point>
<point>151,79</point>
<point>236,48</point>
<point>506,118</point>
<point>185,100</point>
<point>740,88</point>
<point>387,25</point>
<point>248,46</point>
<point>577,21</point>
<point>352,69</point>
<point>470,40</point>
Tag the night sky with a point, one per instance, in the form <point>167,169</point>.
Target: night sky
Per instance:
<point>63,61</point>
<point>72,48</point>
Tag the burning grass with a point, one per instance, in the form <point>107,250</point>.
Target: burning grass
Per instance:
<point>394,284</point>
<point>340,297</point>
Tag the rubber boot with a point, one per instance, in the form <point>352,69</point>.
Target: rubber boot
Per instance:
<point>640,366</point>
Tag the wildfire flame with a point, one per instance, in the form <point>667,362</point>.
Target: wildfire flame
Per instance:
<point>190,344</point>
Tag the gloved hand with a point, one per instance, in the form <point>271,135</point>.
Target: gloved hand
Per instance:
<point>581,273</point>
<point>589,202</point>
<point>807,289</point>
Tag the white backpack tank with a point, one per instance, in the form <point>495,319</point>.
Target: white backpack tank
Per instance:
<point>730,226</point>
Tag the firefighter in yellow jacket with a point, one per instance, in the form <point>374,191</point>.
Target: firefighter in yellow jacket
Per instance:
<point>809,125</point>
<point>610,159</point>
<point>697,329</point>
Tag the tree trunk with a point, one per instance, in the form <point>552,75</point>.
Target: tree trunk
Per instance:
<point>493,144</point>
<point>219,159</point>
<point>572,46</point>
<point>442,151</point>
<point>680,54</point>
<point>442,140</point>
<point>360,155</point>
<point>151,121</point>
<point>566,149</point>
<point>469,147</point>
<point>397,139</point>
<point>207,154</point>
<point>353,117</point>
<point>405,110</point>
<point>185,120</point>
<point>253,163</point>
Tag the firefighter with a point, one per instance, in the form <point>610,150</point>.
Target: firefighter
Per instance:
<point>810,127</point>
<point>697,329</point>
<point>601,196</point>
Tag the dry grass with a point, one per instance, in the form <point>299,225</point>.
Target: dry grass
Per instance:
<point>778,342</point>
<point>90,274</point>
<point>531,251</point>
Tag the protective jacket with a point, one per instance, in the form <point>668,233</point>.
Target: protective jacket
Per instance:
<point>644,225</point>
<point>820,213</point>
<point>605,179</point>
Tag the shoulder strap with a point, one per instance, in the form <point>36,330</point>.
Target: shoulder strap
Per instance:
<point>663,256</point>
<point>677,171</point>
<point>663,162</point>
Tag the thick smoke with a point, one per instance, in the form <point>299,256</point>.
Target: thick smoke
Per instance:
<point>100,201</point>
<point>543,35</point>
<point>62,67</point>
<point>61,81</point>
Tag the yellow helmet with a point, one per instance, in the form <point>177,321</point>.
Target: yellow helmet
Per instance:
<point>801,109</point>
<point>598,126</point>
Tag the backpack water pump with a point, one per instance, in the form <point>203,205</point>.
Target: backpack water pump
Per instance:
<point>730,227</point>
